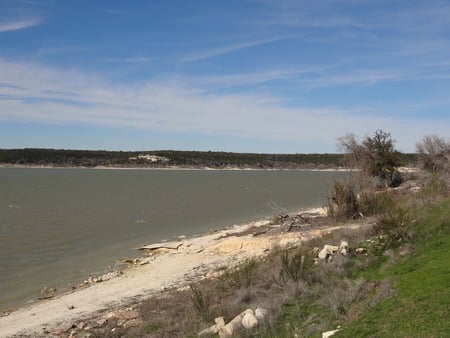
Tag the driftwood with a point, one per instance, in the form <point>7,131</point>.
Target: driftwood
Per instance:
<point>159,246</point>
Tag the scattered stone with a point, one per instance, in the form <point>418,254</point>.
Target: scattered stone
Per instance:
<point>329,333</point>
<point>261,313</point>
<point>360,250</point>
<point>343,248</point>
<point>249,321</point>
<point>327,251</point>
<point>110,315</point>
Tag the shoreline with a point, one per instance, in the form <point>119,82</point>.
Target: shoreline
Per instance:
<point>121,262</point>
<point>26,166</point>
<point>169,265</point>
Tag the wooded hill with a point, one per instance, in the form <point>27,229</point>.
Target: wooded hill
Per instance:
<point>188,159</point>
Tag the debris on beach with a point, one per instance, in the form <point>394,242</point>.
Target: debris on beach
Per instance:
<point>163,247</point>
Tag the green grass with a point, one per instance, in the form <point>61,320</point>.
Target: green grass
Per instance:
<point>406,290</point>
<point>420,306</point>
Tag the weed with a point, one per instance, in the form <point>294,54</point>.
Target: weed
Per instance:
<point>200,302</point>
<point>294,267</point>
<point>339,297</point>
<point>435,186</point>
<point>239,277</point>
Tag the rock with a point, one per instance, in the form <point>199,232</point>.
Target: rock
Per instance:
<point>233,325</point>
<point>327,251</point>
<point>329,333</point>
<point>110,315</point>
<point>208,331</point>
<point>343,248</point>
<point>261,313</point>
<point>249,321</point>
<point>220,322</point>
<point>132,323</point>
<point>360,250</point>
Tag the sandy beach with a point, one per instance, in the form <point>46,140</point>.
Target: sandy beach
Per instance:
<point>166,265</point>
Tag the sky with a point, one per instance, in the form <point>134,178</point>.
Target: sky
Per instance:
<point>269,76</point>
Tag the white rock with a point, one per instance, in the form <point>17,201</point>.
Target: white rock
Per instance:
<point>329,333</point>
<point>209,331</point>
<point>249,321</point>
<point>261,313</point>
<point>220,322</point>
<point>343,248</point>
<point>327,251</point>
<point>233,325</point>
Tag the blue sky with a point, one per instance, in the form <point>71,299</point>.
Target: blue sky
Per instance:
<point>274,76</point>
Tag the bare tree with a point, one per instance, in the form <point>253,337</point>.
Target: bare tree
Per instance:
<point>434,154</point>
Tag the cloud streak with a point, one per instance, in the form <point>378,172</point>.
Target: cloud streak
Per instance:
<point>218,51</point>
<point>9,26</point>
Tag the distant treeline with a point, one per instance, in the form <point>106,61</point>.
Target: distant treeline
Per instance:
<point>188,159</point>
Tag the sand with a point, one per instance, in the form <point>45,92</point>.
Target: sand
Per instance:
<point>176,264</point>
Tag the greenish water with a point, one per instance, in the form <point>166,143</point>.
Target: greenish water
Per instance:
<point>59,225</point>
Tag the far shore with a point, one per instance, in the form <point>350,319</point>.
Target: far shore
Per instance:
<point>27,166</point>
<point>167,265</point>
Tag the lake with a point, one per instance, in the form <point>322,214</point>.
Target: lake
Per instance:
<point>59,225</point>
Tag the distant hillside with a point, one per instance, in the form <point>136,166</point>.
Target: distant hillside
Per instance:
<point>169,158</point>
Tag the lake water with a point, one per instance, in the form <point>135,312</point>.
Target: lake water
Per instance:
<point>59,225</point>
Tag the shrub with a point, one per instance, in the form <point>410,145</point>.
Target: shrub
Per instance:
<point>372,203</point>
<point>434,154</point>
<point>394,227</point>
<point>343,204</point>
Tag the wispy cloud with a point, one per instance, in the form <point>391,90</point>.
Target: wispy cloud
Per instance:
<point>46,51</point>
<point>180,106</point>
<point>217,51</point>
<point>8,26</point>
<point>138,59</point>
<point>265,76</point>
